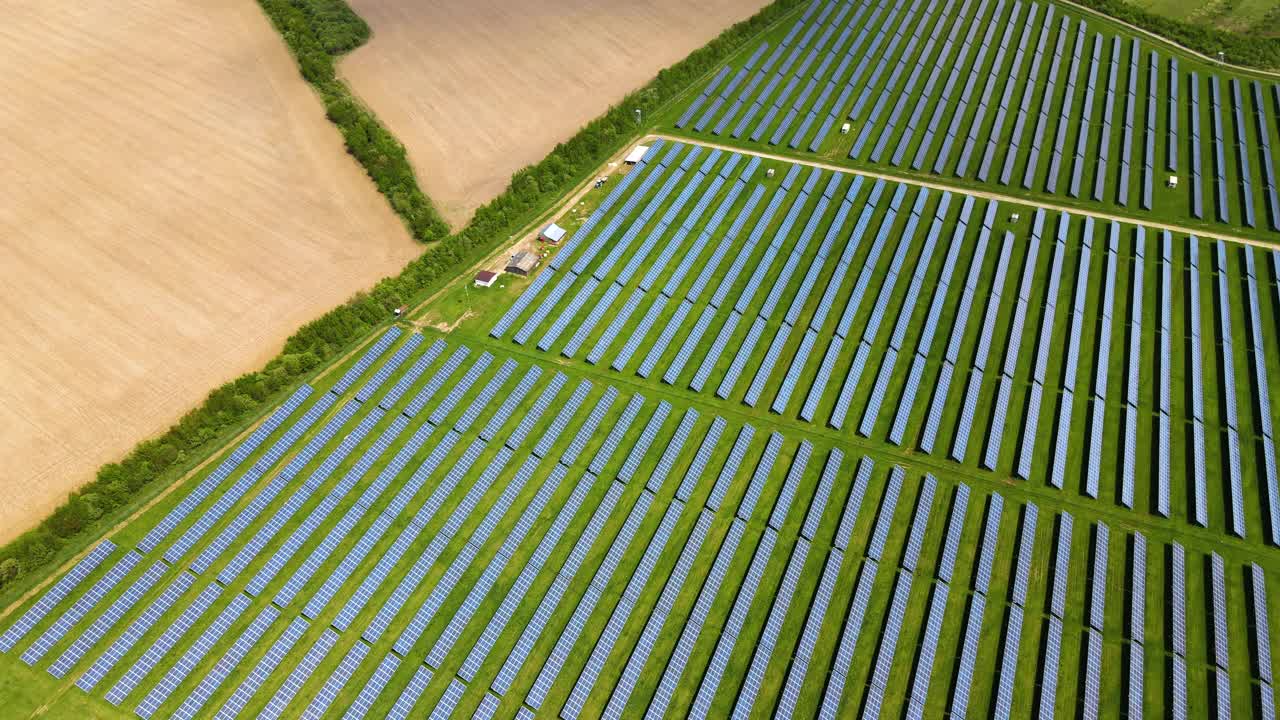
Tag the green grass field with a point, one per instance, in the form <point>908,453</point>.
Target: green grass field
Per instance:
<point>768,273</point>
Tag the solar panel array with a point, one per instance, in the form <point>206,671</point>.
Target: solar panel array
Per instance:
<point>1016,82</point>
<point>528,552</point>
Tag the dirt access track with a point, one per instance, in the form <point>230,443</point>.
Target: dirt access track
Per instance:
<point>477,89</point>
<point>175,205</point>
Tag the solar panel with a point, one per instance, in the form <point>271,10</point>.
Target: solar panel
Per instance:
<point>527,574</point>
<point>706,596</point>
<point>161,647</point>
<point>616,433</point>
<point>228,663</point>
<point>551,599</point>
<point>363,703</point>
<point>107,620</point>
<point>321,701</point>
<point>282,701</point>
<point>278,651</point>
<point>834,691</point>
<point>136,630</point>
<point>1178,599</point>
<point>192,657</point>
<point>55,595</point>
<point>174,517</point>
<point>1261,622</point>
<point>380,346</point>
<point>410,694</point>
<point>81,607</point>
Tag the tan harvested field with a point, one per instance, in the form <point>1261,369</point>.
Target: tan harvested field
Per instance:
<point>477,89</point>
<point>175,205</point>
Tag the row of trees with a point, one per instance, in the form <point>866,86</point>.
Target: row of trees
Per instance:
<point>315,30</point>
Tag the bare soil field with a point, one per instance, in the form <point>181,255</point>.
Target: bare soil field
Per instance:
<point>477,89</point>
<point>175,205</point>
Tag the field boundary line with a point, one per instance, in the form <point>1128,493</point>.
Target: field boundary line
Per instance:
<point>985,194</point>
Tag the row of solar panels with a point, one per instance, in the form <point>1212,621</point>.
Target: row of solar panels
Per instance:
<point>901,48</point>
<point>875,553</point>
<point>791,379</point>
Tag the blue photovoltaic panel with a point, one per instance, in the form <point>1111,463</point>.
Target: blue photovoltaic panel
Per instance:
<point>227,664</point>
<point>282,701</point>
<point>388,368</point>
<point>192,657</point>
<point>161,647</point>
<point>206,487</point>
<point>138,628</point>
<point>276,654</point>
<point>410,694</point>
<point>81,607</point>
<point>368,358</point>
<point>373,688</point>
<point>321,701</point>
<point>55,595</point>
<point>107,620</point>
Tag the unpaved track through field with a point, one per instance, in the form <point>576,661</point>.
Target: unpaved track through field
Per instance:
<point>175,204</point>
<point>477,89</point>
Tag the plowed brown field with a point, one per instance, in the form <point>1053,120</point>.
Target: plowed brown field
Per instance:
<point>477,89</point>
<point>174,205</point>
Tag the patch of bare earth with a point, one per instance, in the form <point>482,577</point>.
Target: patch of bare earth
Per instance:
<point>477,89</point>
<point>175,205</point>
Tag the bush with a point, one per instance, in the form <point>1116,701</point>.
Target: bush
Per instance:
<point>120,485</point>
